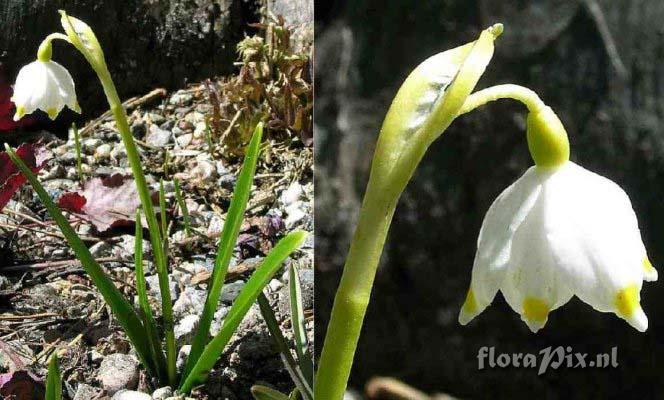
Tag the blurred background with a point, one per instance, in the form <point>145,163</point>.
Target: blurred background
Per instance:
<point>599,65</point>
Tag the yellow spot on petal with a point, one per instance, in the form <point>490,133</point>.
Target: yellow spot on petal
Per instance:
<point>470,305</point>
<point>20,112</point>
<point>627,301</point>
<point>647,265</point>
<point>52,113</point>
<point>535,309</point>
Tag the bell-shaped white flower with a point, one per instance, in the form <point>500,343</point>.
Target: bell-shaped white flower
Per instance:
<point>44,85</point>
<point>558,232</point>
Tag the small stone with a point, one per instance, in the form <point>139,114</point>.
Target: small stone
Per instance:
<point>103,151</point>
<point>131,395</point>
<point>153,285</point>
<point>118,152</point>
<point>191,301</point>
<point>184,330</point>
<point>183,353</point>
<point>181,99</point>
<point>156,119</point>
<point>118,371</point>
<point>215,226</point>
<point>89,146</point>
<point>86,392</point>
<point>58,171</point>
<point>157,137</point>
<point>230,291</point>
<point>295,214</point>
<point>200,130</point>
<point>184,140</point>
<point>162,393</point>
<point>218,320</point>
<point>95,356</point>
<point>275,285</point>
<point>292,194</point>
<point>100,249</point>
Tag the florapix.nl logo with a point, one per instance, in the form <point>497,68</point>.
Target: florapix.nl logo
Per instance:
<point>549,357</point>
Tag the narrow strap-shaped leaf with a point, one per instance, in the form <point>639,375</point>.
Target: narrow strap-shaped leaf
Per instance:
<point>226,245</point>
<point>53,381</point>
<point>280,343</point>
<point>183,207</point>
<point>242,304</point>
<point>261,392</point>
<point>298,323</point>
<point>141,289</point>
<point>124,312</point>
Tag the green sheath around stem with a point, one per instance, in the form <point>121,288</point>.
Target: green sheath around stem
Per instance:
<point>352,297</point>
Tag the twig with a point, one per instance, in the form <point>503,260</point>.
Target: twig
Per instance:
<point>54,264</point>
<point>22,317</point>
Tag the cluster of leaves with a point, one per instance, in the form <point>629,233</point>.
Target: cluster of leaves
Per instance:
<point>273,85</point>
<point>140,325</point>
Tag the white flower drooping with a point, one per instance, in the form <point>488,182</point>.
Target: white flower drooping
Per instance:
<point>44,85</point>
<point>555,233</point>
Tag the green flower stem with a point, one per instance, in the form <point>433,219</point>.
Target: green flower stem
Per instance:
<point>45,51</point>
<point>352,297</point>
<point>526,96</point>
<point>146,201</point>
<point>547,139</point>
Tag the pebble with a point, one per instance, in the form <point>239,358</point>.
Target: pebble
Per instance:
<point>186,328</point>
<point>162,393</point>
<point>118,371</point>
<point>181,99</point>
<point>157,137</point>
<point>153,285</point>
<point>215,226</point>
<point>230,291</point>
<point>295,214</point>
<point>183,353</point>
<point>103,151</point>
<point>86,392</point>
<point>89,146</point>
<point>292,194</point>
<point>131,395</point>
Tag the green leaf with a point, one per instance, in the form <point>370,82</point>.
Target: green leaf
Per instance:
<point>141,289</point>
<point>265,393</point>
<point>122,309</point>
<point>242,304</point>
<point>54,381</point>
<point>291,365</point>
<point>226,245</point>
<point>183,207</point>
<point>298,323</point>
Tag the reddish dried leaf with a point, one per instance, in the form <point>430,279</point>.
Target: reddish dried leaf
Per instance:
<point>21,385</point>
<point>10,178</point>
<point>105,202</point>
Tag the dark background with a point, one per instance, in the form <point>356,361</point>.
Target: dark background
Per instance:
<point>599,65</point>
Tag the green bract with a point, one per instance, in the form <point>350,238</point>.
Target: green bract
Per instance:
<point>425,105</point>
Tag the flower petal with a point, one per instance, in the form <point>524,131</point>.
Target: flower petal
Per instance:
<point>493,246</point>
<point>596,242</point>
<point>532,285</point>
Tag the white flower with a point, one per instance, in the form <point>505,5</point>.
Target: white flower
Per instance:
<point>44,85</point>
<point>558,232</point>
